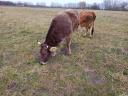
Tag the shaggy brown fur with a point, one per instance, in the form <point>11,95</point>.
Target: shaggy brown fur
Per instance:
<point>62,25</point>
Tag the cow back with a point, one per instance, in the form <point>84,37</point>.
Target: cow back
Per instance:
<point>74,16</point>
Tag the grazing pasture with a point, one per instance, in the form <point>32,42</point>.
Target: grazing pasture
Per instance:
<point>97,66</point>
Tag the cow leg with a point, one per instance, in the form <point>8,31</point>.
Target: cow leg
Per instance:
<point>68,41</point>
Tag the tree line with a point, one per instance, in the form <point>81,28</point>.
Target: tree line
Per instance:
<point>105,5</point>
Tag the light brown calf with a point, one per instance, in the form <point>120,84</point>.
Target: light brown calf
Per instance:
<point>87,21</point>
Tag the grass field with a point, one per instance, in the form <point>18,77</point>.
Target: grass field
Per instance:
<point>97,67</point>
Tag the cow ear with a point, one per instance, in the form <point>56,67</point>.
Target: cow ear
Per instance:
<point>53,49</point>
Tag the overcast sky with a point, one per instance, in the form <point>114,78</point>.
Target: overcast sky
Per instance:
<point>58,1</point>
<point>48,2</point>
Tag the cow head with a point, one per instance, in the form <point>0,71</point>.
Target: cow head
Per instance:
<point>46,52</point>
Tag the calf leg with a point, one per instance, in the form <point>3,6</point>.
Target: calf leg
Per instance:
<point>92,30</point>
<point>86,31</point>
<point>90,33</point>
<point>68,41</point>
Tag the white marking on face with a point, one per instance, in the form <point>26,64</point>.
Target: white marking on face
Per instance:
<point>47,46</point>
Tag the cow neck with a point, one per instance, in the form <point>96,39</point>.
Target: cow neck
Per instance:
<point>50,43</point>
<point>52,39</point>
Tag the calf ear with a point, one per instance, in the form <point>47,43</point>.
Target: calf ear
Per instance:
<point>53,49</point>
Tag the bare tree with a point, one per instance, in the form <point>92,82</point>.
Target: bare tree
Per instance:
<point>107,4</point>
<point>82,4</point>
<point>95,6</point>
<point>8,3</point>
<point>71,5</point>
<point>115,5</point>
<point>124,5</point>
<point>40,4</point>
<point>55,5</point>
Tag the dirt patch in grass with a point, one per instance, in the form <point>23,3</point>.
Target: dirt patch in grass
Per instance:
<point>93,77</point>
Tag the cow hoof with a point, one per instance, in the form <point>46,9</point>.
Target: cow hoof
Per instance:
<point>84,36</point>
<point>69,54</point>
<point>90,37</point>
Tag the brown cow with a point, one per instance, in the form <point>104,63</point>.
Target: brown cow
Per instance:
<point>87,20</point>
<point>62,25</point>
